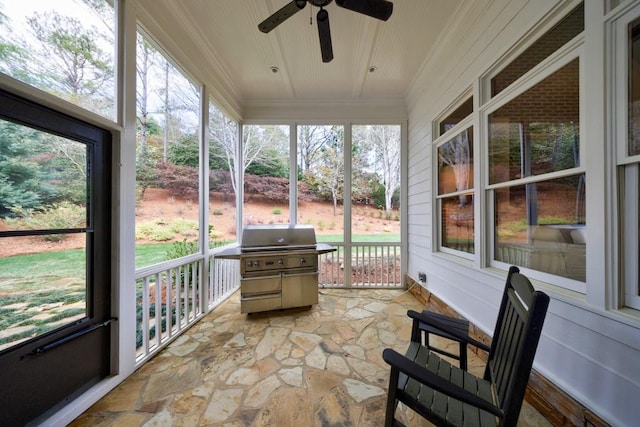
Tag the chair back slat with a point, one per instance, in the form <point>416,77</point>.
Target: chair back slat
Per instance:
<point>514,343</point>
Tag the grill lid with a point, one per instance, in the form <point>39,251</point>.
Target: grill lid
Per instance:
<point>278,237</point>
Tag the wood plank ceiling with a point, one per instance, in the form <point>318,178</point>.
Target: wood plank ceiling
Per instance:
<point>237,55</point>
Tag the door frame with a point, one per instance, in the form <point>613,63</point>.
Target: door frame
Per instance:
<point>47,372</point>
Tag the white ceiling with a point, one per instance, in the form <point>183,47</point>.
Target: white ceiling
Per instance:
<point>241,57</point>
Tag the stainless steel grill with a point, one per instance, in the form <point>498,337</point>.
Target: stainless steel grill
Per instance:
<point>278,266</point>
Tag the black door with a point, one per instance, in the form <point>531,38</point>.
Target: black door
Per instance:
<point>56,327</point>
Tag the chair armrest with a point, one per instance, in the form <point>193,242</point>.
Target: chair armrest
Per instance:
<point>428,378</point>
<point>439,325</point>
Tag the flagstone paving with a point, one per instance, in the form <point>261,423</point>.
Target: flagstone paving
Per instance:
<point>301,367</point>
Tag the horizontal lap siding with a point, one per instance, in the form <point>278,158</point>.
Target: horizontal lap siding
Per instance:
<point>576,339</point>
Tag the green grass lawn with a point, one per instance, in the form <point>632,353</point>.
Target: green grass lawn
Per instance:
<point>33,268</point>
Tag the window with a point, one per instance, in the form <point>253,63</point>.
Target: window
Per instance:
<point>455,192</point>
<point>167,159</point>
<point>455,197</point>
<point>375,182</point>
<point>536,183</point>
<point>223,144</point>
<point>627,90</point>
<point>554,39</point>
<point>321,171</point>
<point>66,49</point>
<point>265,167</point>
<point>456,116</point>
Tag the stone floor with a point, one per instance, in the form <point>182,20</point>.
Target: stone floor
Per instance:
<point>301,367</point>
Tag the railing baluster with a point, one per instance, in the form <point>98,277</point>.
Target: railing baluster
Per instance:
<point>158,311</point>
<point>145,315</point>
<point>169,303</point>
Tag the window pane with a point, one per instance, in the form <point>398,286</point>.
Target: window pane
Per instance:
<point>43,187</point>
<point>634,88</point>
<point>321,170</point>
<point>554,39</point>
<point>457,116</point>
<point>375,183</point>
<point>167,159</point>
<point>537,132</point>
<point>542,226</point>
<point>457,223</point>
<point>223,142</point>
<point>265,153</point>
<point>43,179</point>
<point>455,163</point>
<point>42,285</point>
<point>66,48</point>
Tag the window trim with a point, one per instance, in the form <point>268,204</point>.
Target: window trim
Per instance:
<point>566,54</point>
<point>468,123</point>
<point>626,295</point>
<point>546,23</point>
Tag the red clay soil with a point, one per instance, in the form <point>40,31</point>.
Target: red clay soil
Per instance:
<point>159,204</point>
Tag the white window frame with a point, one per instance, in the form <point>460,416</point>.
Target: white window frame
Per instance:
<point>571,51</point>
<point>628,166</point>
<point>468,124</point>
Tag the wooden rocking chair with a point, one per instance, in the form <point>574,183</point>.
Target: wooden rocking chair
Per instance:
<point>449,396</point>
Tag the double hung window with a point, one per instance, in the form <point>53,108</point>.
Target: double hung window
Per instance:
<point>627,125</point>
<point>455,198</point>
<point>535,180</point>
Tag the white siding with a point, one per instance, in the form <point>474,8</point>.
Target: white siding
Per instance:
<point>590,352</point>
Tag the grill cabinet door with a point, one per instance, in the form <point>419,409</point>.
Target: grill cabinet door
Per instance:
<point>299,290</point>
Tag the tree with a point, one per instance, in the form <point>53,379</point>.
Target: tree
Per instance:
<point>13,56</point>
<point>457,153</point>
<point>264,147</point>
<point>327,173</point>
<point>223,139</point>
<point>386,143</point>
<point>38,169</point>
<point>311,139</point>
<point>79,68</point>
<point>380,148</point>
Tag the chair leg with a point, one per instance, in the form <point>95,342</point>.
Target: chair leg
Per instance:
<point>463,356</point>
<point>391,398</point>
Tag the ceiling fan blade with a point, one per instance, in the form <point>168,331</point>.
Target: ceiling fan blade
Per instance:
<point>282,15</point>
<point>380,9</point>
<point>325,35</point>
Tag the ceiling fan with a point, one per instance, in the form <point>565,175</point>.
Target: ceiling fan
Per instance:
<point>380,9</point>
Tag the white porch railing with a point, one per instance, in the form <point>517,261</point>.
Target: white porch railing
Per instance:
<point>172,296</point>
<point>369,265</point>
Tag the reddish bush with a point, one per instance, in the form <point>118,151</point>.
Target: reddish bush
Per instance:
<point>182,181</point>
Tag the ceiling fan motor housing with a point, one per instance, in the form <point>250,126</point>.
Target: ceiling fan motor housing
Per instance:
<point>320,3</point>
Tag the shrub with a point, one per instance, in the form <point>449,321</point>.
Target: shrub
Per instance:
<point>181,249</point>
<point>217,211</point>
<point>276,211</point>
<point>182,181</point>
<point>155,230</point>
<point>183,226</point>
<point>61,215</point>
